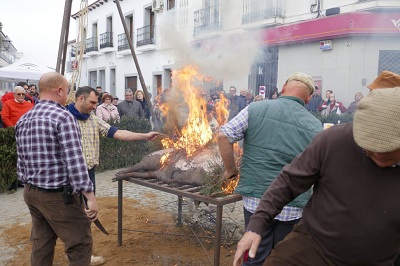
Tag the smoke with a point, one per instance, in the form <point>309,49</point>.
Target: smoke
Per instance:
<point>222,58</point>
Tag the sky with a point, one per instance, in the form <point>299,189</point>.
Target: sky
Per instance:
<point>34,26</point>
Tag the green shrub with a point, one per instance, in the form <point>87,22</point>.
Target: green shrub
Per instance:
<point>8,158</point>
<point>117,154</point>
<point>334,118</point>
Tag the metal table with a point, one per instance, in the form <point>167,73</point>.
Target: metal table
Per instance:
<point>187,191</point>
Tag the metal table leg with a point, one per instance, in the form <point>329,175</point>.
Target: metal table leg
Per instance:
<point>180,200</point>
<point>119,212</point>
<point>218,232</point>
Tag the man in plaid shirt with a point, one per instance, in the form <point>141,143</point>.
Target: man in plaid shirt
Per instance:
<point>50,158</point>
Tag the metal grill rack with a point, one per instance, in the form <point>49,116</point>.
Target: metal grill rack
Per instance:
<point>187,191</point>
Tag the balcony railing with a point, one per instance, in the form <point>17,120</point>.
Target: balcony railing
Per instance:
<point>106,40</point>
<point>206,19</point>
<point>123,42</point>
<point>91,45</point>
<point>6,57</point>
<point>146,35</point>
<point>256,10</point>
<point>73,51</point>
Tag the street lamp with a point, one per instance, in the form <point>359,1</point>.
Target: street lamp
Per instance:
<point>5,44</point>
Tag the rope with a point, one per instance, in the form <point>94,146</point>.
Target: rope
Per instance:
<point>80,49</point>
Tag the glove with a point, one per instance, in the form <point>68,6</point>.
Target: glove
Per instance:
<point>324,106</point>
<point>336,104</point>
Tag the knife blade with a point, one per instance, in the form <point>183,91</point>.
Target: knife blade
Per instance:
<point>97,222</point>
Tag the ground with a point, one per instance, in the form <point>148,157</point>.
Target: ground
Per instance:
<point>152,238</point>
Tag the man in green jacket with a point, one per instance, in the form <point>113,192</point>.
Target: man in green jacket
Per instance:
<point>274,132</point>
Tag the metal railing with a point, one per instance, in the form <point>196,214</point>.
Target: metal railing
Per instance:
<point>206,19</point>
<point>73,50</point>
<point>123,43</point>
<point>3,55</point>
<point>91,45</point>
<point>146,35</point>
<point>106,40</point>
<point>256,10</point>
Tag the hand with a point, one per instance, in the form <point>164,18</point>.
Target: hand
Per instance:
<point>249,241</point>
<point>324,106</point>
<point>152,135</point>
<point>92,210</point>
<point>336,104</point>
<point>232,174</point>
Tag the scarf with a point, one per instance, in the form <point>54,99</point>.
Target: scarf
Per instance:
<point>71,108</point>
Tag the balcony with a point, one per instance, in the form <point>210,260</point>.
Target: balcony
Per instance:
<point>206,20</point>
<point>106,40</point>
<point>123,45</point>
<point>6,57</point>
<point>145,35</point>
<point>263,12</point>
<point>91,46</point>
<point>73,51</point>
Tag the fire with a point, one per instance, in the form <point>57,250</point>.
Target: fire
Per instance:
<point>222,109</point>
<point>187,112</point>
<point>196,132</point>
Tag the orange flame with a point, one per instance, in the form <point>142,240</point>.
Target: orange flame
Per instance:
<point>221,108</point>
<point>196,132</point>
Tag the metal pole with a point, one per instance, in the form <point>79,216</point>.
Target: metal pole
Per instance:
<point>64,35</point>
<point>218,232</point>
<point>146,94</point>
<point>119,212</point>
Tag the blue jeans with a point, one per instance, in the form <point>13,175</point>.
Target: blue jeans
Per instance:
<point>271,237</point>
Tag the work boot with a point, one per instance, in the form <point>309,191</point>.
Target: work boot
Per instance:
<point>97,260</point>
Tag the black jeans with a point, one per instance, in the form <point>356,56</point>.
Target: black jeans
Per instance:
<point>271,237</point>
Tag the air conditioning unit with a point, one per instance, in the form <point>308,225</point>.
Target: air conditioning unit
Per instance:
<point>157,6</point>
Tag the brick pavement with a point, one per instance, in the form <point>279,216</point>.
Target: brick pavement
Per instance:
<point>13,209</point>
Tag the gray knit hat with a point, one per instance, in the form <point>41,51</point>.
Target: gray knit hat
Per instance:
<point>376,124</point>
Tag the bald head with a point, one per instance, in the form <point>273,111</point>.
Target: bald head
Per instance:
<point>53,86</point>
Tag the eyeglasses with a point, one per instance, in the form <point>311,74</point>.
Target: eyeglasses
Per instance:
<point>19,94</point>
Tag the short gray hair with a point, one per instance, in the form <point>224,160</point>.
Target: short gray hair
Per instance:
<point>128,91</point>
<point>18,88</point>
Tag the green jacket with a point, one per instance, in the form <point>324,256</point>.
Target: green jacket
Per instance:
<point>278,131</point>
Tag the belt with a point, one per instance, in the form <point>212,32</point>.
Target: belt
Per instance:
<point>45,189</point>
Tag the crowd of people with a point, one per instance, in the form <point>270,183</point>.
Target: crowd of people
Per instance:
<point>329,105</point>
<point>299,208</point>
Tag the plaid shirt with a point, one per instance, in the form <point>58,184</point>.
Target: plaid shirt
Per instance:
<point>91,130</point>
<point>49,149</point>
<point>235,130</point>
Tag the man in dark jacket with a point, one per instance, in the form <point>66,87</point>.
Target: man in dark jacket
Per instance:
<point>130,107</point>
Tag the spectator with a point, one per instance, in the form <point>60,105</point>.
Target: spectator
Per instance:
<point>332,106</point>
<point>274,132</point>
<point>50,160</point>
<point>352,216</point>
<point>115,101</point>
<point>34,93</point>
<point>233,107</point>
<point>249,97</point>
<point>139,96</point>
<point>315,101</point>
<point>107,110</point>
<point>14,109</point>
<point>353,106</point>
<point>10,95</point>
<point>130,107</point>
<point>258,98</point>
<point>242,99</point>
<point>273,94</point>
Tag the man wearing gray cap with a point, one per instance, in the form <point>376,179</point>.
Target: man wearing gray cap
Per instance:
<point>352,217</point>
<point>274,132</point>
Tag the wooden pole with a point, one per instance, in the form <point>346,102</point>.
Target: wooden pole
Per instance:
<point>62,48</point>
<point>146,94</point>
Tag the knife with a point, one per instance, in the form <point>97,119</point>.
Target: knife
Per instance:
<point>97,222</point>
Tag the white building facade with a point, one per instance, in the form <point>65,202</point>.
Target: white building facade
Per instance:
<point>343,44</point>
